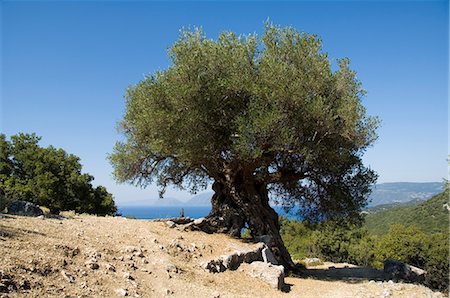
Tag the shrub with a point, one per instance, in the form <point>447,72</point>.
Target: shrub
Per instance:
<point>437,264</point>
<point>49,177</point>
<point>297,237</point>
<point>343,242</point>
<point>405,244</point>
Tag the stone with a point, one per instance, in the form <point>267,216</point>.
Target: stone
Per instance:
<point>110,267</point>
<point>269,273</point>
<point>171,224</point>
<point>213,266</point>
<point>92,264</point>
<point>234,260</point>
<point>24,285</point>
<point>312,261</point>
<point>168,292</point>
<point>264,239</point>
<point>253,255</point>
<point>268,256</point>
<point>68,276</point>
<point>171,268</point>
<point>130,249</point>
<point>386,293</point>
<point>24,208</point>
<point>92,253</point>
<point>127,275</point>
<point>199,221</point>
<point>122,292</point>
<point>397,270</point>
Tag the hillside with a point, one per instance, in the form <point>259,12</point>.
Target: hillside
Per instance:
<point>111,257</point>
<point>431,216</point>
<point>401,192</point>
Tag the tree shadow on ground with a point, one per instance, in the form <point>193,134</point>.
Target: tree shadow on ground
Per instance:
<point>347,274</point>
<point>10,232</point>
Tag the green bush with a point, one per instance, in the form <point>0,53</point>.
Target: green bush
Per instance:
<point>331,241</point>
<point>343,242</point>
<point>405,244</point>
<point>297,237</point>
<point>437,264</point>
<point>412,246</point>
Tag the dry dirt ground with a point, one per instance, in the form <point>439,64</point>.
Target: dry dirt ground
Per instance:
<point>88,256</point>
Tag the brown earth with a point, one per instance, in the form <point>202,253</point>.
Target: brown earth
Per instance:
<point>139,258</point>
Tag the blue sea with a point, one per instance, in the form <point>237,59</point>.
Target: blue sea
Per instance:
<point>152,212</point>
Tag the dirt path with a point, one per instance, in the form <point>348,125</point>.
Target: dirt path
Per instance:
<point>112,257</point>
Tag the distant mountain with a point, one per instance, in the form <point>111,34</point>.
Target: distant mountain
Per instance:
<point>200,200</point>
<point>166,202</point>
<point>203,199</point>
<point>383,207</point>
<point>384,193</point>
<point>402,192</point>
<point>431,216</point>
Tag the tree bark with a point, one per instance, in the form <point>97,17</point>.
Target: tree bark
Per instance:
<point>225,216</point>
<point>237,203</point>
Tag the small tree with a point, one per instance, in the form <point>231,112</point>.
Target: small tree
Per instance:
<point>49,177</point>
<point>255,116</point>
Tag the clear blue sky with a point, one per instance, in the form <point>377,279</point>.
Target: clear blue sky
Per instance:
<point>65,67</point>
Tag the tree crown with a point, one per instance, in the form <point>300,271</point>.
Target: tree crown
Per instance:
<point>270,108</point>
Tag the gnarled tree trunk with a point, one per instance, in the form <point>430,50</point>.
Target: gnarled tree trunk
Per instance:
<point>238,202</point>
<point>225,216</point>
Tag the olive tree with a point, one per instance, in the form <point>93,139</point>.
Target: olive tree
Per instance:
<point>259,118</point>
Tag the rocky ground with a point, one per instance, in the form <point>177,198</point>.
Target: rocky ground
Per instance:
<point>113,257</point>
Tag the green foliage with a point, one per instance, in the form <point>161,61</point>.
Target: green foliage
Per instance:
<point>49,177</point>
<point>438,262</point>
<point>406,244</point>
<point>343,242</point>
<point>347,242</point>
<point>331,241</point>
<point>412,246</point>
<point>269,109</point>
<point>296,236</point>
<point>245,234</point>
<point>431,216</point>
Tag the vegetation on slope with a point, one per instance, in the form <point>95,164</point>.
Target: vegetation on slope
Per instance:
<point>430,216</point>
<point>417,235</point>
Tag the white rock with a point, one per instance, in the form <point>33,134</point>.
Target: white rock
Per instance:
<point>127,275</point>
<point>171,224</point>
<point>92,264</point>
<point>386,293</point>
<point>110,267</point>
<point>271,274</point>
<point>122,292</point>
<point>68,276</point>
<point>199,220</point>
<point>312,261</point>
<point>268,256</point>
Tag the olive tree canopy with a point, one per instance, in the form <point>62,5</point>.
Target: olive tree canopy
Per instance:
<point>256,116</point>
